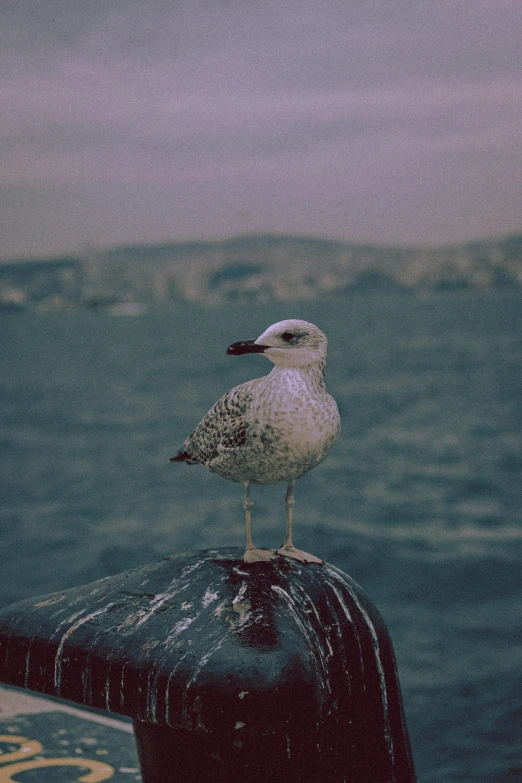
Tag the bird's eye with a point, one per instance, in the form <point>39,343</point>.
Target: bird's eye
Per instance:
<point>287,336</point>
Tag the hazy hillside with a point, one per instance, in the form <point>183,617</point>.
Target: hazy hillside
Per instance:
<point>257,268</point>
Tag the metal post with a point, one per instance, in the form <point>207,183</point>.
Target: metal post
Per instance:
<point>245,673</point>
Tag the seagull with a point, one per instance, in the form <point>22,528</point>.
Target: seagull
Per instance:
<point>271,430</point>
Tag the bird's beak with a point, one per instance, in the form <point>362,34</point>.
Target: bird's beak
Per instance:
<point>245,346</point>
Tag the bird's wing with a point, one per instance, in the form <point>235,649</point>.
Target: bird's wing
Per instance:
<point>224,427</point>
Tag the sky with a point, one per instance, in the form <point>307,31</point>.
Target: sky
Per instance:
<point>386,121</point>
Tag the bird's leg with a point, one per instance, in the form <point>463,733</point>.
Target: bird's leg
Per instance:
<point>289,503</point>
<point>288,549</point>
<point>252,554</point>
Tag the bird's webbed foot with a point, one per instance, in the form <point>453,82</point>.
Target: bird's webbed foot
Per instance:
<point>298,554</point>
<point>255,555</point>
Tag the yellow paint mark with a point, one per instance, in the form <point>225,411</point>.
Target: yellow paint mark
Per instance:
<point>242,607</point>
<point>50,601</point>
<point>99,771</point>
<point>28,748</point>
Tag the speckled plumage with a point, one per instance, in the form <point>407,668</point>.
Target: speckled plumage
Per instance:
<point>275,428</point>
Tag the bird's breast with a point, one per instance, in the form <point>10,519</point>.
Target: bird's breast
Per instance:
<point>291,425</point>
<point>294,419</point>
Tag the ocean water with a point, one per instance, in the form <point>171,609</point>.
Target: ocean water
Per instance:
<point>420,500</point>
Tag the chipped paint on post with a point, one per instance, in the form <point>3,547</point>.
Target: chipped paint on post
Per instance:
<point>224,666</point>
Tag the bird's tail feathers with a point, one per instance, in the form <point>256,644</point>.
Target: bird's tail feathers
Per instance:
<point>183,456</point>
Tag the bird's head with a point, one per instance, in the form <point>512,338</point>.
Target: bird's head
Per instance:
<point>290,343</point>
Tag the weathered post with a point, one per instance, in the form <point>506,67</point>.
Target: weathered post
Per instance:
<point>245,673</point>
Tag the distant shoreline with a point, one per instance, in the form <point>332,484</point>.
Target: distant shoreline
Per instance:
<point>255,268</point>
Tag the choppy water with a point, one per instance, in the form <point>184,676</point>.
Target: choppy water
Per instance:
<point>421,500</point>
